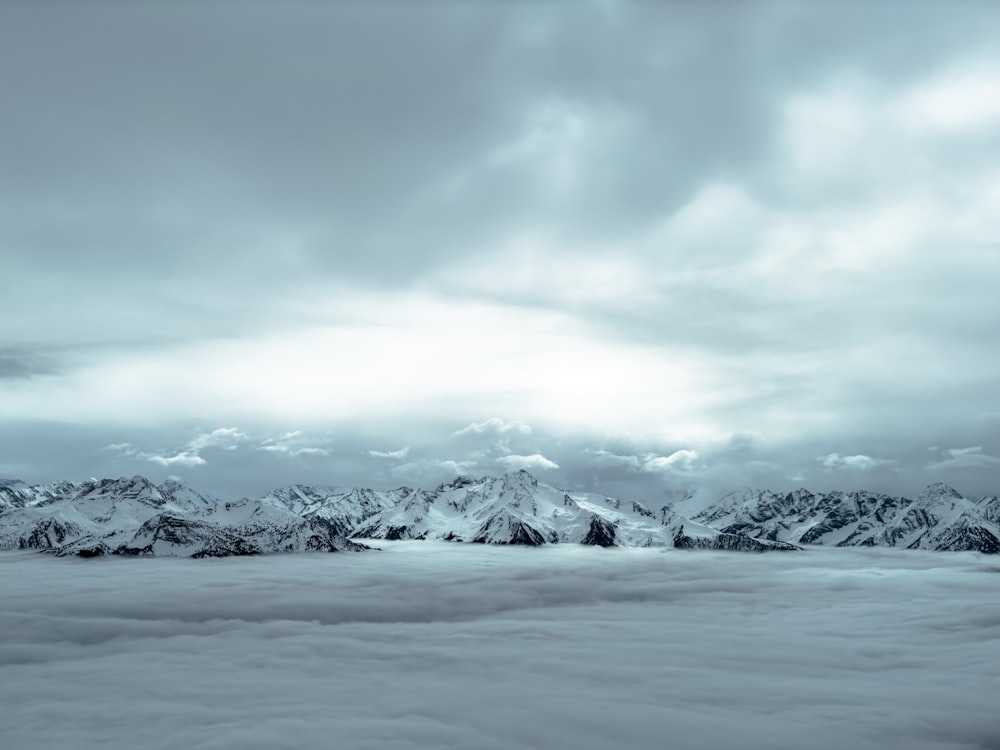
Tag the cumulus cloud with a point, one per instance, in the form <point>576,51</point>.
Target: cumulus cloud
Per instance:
<point>680,461</point>
<point>227,438</point>
<point>858,462</point>
<point>494,425</point>
<point>184,458</point>
<point>441,645</point>
<point>534,461</point>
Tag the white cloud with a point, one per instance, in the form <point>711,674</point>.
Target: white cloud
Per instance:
<point>858,462</point>
<point>401,453</point>
<point>956,452</point>
<point>682,461</point>
<point>126,449</point>
<point>494,425</point>
<point>227,438</point>
<point>959,100</point>
<point>534,461</point>
<point>295,443</point>
<point>184,458</point>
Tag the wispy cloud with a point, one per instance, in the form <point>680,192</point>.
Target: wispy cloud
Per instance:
<point>964,458</point>
<point>223,438</point>
<point>400,454</point>
<point>295,443</point>
<point>534,461</point>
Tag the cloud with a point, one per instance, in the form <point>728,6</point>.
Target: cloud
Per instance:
<point>957,100</point>
<point>607,459</point>
<point>18,363</point>
<point>681,461</point>
<point>429,471</point>
<point>857,462</point>
<point>187,457</point>
<point>295,443</point>
<point>494,425</point>
<point>964,458</point>
<point>957,452</point>
<point>575,229</point>
<point>126,449</point>
<point>443,645</point>
<point>227,438</point>
<point>400,454</point>
<point>534,461</point>
<point>184,458</point>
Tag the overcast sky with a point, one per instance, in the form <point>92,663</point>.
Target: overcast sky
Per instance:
<point>642,247</point>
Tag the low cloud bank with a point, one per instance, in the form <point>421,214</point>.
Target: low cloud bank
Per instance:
<point>427,645</point>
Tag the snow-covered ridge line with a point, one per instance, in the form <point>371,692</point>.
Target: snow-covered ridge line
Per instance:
<point>135,517</point>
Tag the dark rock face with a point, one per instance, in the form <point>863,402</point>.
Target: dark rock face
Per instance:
<point>733,542</point>
<point>601,533</point>
<point>514,532</point>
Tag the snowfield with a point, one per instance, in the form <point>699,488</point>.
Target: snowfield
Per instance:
<point>438,645</point>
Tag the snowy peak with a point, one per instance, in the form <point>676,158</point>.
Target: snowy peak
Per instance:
<point>940,518</point>
<point>516,508</point>
<point>138,488</point>
<point>134,516</point>
<point>939,492</point>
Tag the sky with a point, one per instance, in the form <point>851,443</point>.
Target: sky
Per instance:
<point>641,248</point>
<point>437,645</point>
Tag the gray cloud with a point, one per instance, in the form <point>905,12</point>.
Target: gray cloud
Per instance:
<point>18,363</point>
<point>660,221</point>
<point>447,646</point>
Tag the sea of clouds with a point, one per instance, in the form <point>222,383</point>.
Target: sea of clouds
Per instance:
<point>427,645</point>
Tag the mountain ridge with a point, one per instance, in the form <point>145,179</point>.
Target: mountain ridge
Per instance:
<point>134,516</point>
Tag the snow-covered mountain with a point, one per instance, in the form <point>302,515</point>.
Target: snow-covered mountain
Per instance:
<point>939,518</point>
<point>518,509</point>
<point>135,517</point>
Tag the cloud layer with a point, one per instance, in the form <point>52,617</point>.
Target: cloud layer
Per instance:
<point>429,645</point>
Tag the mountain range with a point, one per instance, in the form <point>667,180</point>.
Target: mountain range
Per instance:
<point>133,516</point>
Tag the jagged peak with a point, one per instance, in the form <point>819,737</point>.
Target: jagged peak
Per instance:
<point>519,478</point>
<point>462,480</point>
<point>800,493</point>
<point>939,490</point>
